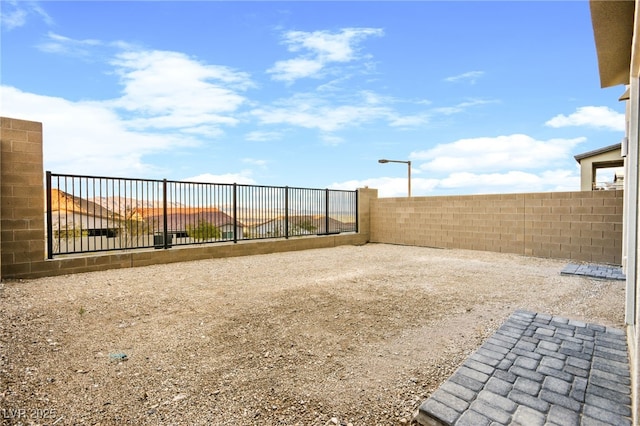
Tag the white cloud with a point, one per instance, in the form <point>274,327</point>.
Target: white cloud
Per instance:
<point>165,90</point>
<point>315,111</point>
<point>462,106</point>
<point>259,136</point>
<point>591,116</point>
<point>423,118</point>
<point>470,76</point>
<point>390,186</point>
<point>492,154</point>
<point>461,183</point>
<point>295,68</point>
<point>169,90</point>
<point>244,177</point>
<point>409,120</point>
<point>512,182</point>
<point>88,137</point>
<point>169,101</point>
<point>320,48</point>
<point>494,180</point>
<point>14,14</point>
<point>330,47</point>
<point>312,112</point>
<point>503,164</point>
<point>13,18</point>
<point>59,44</point>
<point>561,180</point>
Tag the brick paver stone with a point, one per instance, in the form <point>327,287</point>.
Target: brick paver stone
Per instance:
<point>539,369</point>
<point>594,271</point>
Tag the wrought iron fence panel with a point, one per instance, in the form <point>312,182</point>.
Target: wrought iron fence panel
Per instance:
<point>97,213</point>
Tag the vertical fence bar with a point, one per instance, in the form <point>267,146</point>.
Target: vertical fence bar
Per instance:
<point>235,213</point>
<point>113,204</point>
<point>105,219</point>
<point>164,213</point>
<point>73,212</point>
<point>61,197</point>
<point>79,200</point>
<point>286,212</point>
<point>326,211</point>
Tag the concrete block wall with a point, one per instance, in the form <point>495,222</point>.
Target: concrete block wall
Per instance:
<point>21,196</point>
<point>583,226</point>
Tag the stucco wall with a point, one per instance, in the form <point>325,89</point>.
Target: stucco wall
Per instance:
<point>584,226</point>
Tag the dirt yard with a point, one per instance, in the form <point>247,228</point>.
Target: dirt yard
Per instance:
<point>347,335</point>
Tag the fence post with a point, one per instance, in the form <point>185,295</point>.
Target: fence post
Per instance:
<point>357,213</point>
<point>286,212</point>
<point>164,214</point>
<point>235,212</point>
<point>49,218</point>
<point>326,213</point>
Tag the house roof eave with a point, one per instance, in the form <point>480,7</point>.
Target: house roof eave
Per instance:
<point>580,157</point>
<point>613,25</point>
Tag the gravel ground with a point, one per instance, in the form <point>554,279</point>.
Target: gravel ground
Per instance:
<point>347,335</point>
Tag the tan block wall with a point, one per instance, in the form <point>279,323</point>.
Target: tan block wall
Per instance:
<point>21,195</point>
<point>584,226</point>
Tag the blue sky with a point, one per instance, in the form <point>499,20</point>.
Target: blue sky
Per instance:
<point>482,97</point>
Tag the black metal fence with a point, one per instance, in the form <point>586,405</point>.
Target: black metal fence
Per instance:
<point>92,213</point>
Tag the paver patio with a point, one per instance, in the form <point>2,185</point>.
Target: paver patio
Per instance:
<point>606,272</point>
<point>538,369</point>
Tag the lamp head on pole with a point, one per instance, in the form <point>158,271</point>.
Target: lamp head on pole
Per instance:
<point>383,161</point>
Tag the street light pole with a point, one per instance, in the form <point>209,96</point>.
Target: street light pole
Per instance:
<point>408,179</point>
<point>408,163</point>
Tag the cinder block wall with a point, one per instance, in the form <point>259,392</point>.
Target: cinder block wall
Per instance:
<point>584,226</point>
<point>21,196</point>
<point>572,225</point>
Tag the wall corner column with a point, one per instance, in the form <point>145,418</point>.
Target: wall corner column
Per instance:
<point>22,233</point>
<point>365,195</point>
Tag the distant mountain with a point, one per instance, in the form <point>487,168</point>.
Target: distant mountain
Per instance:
<point>123,206</point>
<point>118,207</point>
<point>65,202</point>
